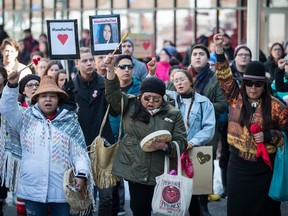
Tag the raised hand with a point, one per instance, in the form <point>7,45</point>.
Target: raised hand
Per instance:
<point>218,39</point>
<point>109,63</point>
<point>152,66</point>
<point>13,77</point>
<point>281,63</point>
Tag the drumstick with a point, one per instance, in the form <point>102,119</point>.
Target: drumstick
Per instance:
<point>122,40</point>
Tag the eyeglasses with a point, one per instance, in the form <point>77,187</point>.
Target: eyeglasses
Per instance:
<point>32,85</point>
<point>277,49</point>
<point>122,67</point>
<point>243,55</point>
<point>257,84</point>
<point>155,99</point>
<point>180,80</point>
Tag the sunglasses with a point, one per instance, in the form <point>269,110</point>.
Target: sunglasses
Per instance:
<point>154,99</point>
<point>257,84</point>
<point>122,67</point>
<point>31,85</point>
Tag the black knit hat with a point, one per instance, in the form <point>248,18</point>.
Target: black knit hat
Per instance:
<point>255,71</point>
<point>25,80</point>
<point>203,47</point>
<point>153,84</point>
<point>241,46</point>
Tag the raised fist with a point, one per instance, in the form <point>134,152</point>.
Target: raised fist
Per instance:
<point>13,77</point>
<point>281,63</point>
<point>218,39</point>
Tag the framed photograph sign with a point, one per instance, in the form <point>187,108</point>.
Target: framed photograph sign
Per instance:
<point>105,33</point>
<point>63,39</point>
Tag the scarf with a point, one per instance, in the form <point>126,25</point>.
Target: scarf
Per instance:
<point>201,79</point>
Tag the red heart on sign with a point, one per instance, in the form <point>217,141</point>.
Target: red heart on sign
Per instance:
<point>146,45</point>
<point>62,38</point>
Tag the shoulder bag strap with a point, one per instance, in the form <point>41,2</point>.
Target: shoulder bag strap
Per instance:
<point>105,118</point>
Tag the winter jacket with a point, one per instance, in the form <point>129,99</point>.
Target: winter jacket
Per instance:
<point>202,118</point>
<point>162,70</point>
<point>90,97</point>
<point>115,120</point>
<point>48,149</point>
<point>139,70</point>
<point>270,67</point>
<point>131,162</point>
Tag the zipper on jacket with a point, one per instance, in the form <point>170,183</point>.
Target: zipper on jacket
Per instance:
<point>49,141</point>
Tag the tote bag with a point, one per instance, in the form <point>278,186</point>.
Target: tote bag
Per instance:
<point>102,156</point>
<point>172,193</point>
<point>279,185</point>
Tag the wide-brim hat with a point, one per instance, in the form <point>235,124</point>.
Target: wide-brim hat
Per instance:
<point>48,84</point>
<point>255,71</point>
<point>161,135</point>
<point>79,201</point>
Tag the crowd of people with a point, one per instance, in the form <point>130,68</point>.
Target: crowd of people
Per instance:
<point>210,96</point>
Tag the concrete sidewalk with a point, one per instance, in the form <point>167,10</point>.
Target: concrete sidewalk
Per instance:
<point>216,208</point>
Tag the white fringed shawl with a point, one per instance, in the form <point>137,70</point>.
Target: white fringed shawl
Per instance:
<point>10,154</point>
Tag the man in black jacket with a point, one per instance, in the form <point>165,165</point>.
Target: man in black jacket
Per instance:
<point>89,94</point>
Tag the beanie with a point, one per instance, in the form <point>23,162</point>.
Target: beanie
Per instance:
<point>25,80</point>
<point>241,46</point>
<point>203,47</point>
<point>153,84</point>
<point>170,50</point>
<point>130,40</point>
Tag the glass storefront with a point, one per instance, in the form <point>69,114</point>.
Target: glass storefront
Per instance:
<point>181,21</point>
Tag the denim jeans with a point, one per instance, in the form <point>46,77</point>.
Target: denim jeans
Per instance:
<point>40,209</point>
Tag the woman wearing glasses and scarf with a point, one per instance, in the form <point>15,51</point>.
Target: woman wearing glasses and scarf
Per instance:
<point>250,107</point>
<point>143,115</point>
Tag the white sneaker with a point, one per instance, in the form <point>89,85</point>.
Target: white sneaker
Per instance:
<point>121,213</point>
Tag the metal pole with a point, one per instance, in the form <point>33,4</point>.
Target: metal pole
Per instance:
<point>253,18</point>
<point>195,21</point>
<point>81,14</point>
<point>155,23</point>
<point>217,17</point>
<point>30,14</point>
<point>42,16</point>
<point>54,12</point>
<point>175,23</point>
<point>3,16</point>
<point>68,9</point>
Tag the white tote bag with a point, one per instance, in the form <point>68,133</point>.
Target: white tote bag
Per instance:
<point>172,193</point>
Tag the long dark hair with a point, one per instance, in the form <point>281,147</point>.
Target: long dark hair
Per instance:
<point>101,37</point>
<point>282,49</point>
<point>247,110</point>
<point>140,113</point>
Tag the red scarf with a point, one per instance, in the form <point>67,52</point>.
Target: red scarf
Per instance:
<point>261,149</point>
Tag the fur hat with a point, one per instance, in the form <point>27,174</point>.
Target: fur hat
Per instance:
<point>25,80</point>
<point>255,71</point>
<point>48,84</point>
<point>241,46</point>
<point>153,84</point>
